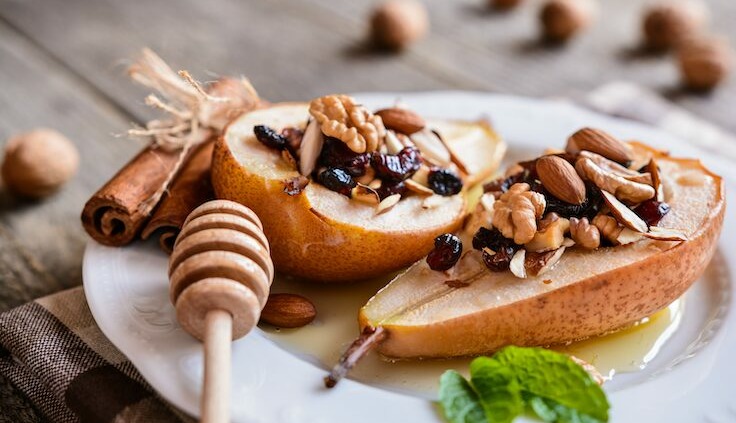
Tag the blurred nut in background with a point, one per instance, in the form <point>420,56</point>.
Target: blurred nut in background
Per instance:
<point>37,163</point>
<point>504,4</point>
<point>398,23</point>
<point>704,62</point>
<point>668,23</point>
<point>562,19</point>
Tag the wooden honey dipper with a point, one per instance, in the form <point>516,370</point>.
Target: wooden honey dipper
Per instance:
<point>220,274</point>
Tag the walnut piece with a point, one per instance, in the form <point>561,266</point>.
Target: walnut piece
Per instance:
<point>516,211</point>
<point>608,227</point>
<point>340,117</point>
<point>584,234</point>
<point>622,188</point>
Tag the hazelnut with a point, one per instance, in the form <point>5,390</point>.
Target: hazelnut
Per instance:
<point>398,23</point>
<point>704,62</point>
<point>667,24</point>
<point>38,162</point>
<point>504,4</point>
<point>562,19</point>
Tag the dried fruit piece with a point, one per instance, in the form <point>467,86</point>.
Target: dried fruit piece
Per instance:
<point>560,179</point>
<point>288,311</point>
<point>397,167</point>
<point>269,137</point>
<point>652,211</point>
<point>295,186</point>
<point>599,142</point>
<point>497,249</point>
<point>444,182</point>
<point>446,252</point>
<point>404,121</point>
<point>336,154</point>
<point>389,188</point>
<point>337,180</point>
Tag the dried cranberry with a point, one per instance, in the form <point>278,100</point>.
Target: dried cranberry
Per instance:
<point>498,261</point>
<point>269,137</point>
<point>652,211</point>
<point>444,182</point>
<point>447,251</point>
<point>589,208</point>
<point>388,188</point>
<point>336,154</point>
<point>527,175</point>
<point>397,167</point>
<point>337,180</point>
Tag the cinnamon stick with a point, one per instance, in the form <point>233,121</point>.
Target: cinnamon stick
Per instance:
<point>117,212</point>
<point>190,189</point>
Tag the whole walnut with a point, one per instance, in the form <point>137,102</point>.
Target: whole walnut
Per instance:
<point>668,23</point>
<point>37,163</point>
<point>704,62</point>
<point>398,23</point>
<point>504,4</point>
<point>562,19</point>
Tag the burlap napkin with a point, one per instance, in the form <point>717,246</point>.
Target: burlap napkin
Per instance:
<point>63,369</point>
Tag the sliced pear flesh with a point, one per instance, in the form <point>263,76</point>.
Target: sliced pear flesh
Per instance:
<point>474,311</point>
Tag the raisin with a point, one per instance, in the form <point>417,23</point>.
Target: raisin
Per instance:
<point>447,251</point>
<point>397,167</point>
<point>388,188</point>
<point>528,175</point>
<point>499,261</point>
<point>269,137</point>
<point>589,208</point>
<point>444,182</point>
<point>335,154</point>
<point>652,211</point>
<point>337,180</point>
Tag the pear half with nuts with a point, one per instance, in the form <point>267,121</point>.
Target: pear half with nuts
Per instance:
<point>319,234</point>
<point>591,289</point>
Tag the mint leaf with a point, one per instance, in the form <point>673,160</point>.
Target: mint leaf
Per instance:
<point>458,399</point>
<point>556,377</point>
<point>497,388</point>
<point>552,412</point>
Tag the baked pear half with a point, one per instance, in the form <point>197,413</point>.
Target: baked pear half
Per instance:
<point>623,230</point>
<point>346,194</point>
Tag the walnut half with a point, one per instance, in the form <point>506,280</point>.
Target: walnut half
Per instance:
<point>340,117</point>
<point>516,211</point>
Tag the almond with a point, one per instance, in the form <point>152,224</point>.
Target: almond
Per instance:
<point>288,311</point>
<point>599,142</point>
<point>560,179</point>
<point>403,121</point>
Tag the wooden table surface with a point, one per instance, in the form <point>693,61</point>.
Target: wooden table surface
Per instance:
<point>62,65</point>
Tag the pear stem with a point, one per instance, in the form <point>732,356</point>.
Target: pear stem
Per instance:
<point>368,339</point>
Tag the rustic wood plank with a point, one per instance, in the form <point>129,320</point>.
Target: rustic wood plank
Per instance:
<point>41,242</point>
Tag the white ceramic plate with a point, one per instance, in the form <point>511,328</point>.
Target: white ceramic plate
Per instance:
<point>691,380</point>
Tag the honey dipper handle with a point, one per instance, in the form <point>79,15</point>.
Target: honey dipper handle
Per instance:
<point>217,344</point>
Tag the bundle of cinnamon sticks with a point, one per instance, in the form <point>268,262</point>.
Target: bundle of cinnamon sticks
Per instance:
<point>154,192</point>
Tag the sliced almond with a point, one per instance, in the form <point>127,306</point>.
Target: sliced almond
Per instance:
<point>388,203</point>
<point>623,214</point>
<point>653,170</point>
<point>560,179</point>
<point>311,147</point>
<point>365,194</point>
<point>422,175</point>
<point>599,142</point>
<point>432,201</point>
<point>568,242</point>
<point>454,158</point>
<point>488,200</point>
<point>288,158</point>
<point>539,263</point>
<point>368,177</point>
<point>432,147</point>
<point>516,265</point>
<point>665,234</point>
<point>401,120</point>
<point>627,236</point>
<point>415,186</point>
<point>393,144</point>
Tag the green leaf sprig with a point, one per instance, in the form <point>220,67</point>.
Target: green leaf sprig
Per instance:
<point>549,384</point>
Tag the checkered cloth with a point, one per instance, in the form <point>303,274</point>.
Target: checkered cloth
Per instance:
<point>54,354</point>
<point>56,365</point>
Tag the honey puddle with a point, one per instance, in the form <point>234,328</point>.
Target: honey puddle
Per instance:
<point>323,341</point>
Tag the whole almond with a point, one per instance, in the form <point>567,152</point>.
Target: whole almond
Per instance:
<point>401,120</point>
<point>560,179</point>
<point>599,142</point>
<point>288,311</point>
